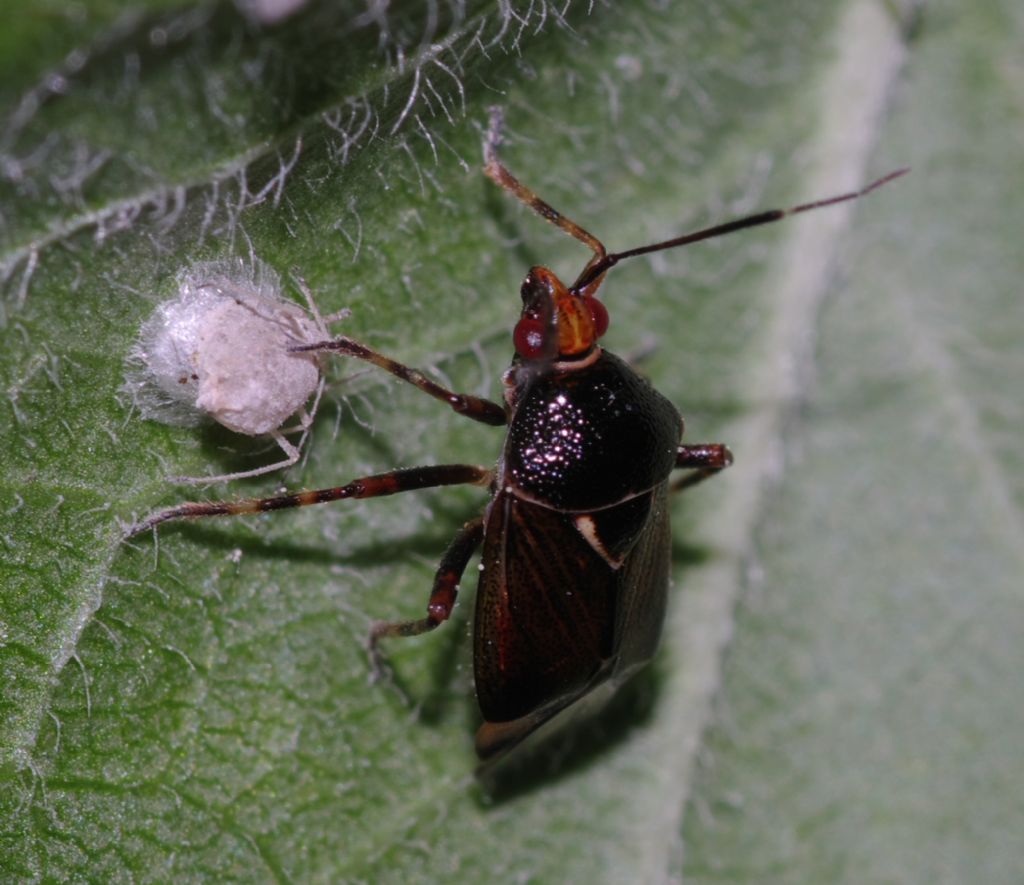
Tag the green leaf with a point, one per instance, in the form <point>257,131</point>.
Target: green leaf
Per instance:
<point>870,723</point>
<point>198,706</point>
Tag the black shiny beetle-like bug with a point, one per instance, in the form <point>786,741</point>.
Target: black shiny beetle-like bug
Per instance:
<point>575,539</point>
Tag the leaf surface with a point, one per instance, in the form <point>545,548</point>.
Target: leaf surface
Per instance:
<point>199,707</point>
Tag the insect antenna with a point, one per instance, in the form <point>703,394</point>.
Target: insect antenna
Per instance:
<point>600,265</point>
<point>495,170</point>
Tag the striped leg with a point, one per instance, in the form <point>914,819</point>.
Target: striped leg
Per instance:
<point>704,459</point>
<point>376,486</point>
<point>474,407</point>
<point>442,595</point>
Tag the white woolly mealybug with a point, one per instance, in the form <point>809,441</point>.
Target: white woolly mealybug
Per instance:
<point>220,350</point>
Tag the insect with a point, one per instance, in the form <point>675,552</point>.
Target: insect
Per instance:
<point>218,350</point>
<point>575,539</point>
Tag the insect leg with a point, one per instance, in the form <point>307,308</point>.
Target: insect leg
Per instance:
<point>378,485</point>
<point>495,170</point>
<point>292,455</point>
<point>442,595</point>
<point>475,407</point>
<point>704,459</point>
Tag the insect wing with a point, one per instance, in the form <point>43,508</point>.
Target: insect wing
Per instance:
<point>545,615</point>
<point>644,593</point>
<point>568,605</point>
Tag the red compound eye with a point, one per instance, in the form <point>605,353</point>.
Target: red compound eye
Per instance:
<point>599,313</point>
<point>528,338</point>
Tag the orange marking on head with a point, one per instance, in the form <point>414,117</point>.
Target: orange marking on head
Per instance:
<point>576,332</point>
<point>580,318</point>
